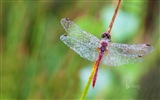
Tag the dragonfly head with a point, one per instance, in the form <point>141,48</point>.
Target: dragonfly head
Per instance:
<point>106,36</point>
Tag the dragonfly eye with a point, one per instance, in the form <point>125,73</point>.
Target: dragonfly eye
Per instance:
<point>108,36</point>
<point>103,35</point>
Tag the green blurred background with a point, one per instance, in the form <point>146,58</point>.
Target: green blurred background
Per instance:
<point>35,64</point>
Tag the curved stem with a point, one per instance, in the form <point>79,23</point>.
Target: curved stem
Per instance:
<point>95,65</point>
<point>89,82</point>
<point>113,18</point>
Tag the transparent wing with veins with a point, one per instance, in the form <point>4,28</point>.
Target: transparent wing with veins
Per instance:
<point>120,54</point>
<point>86,46</point>
<point>131,50</point>
<point>80,41</point>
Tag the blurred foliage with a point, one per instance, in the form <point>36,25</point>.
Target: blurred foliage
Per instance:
<point>35,64</point>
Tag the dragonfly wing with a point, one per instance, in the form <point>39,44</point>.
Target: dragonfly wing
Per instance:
<point>84,50</point>
<point>77,33</point>
<point>120,54</point>
<point>131,49</point>
<point>116,59</point>
<point>81,42</point>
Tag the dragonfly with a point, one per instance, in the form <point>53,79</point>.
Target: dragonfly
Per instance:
<point>101,50</point>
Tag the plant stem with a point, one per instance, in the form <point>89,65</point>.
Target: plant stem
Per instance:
<point>89,82</point>
<point>94,67</point>
<point>113,18</point>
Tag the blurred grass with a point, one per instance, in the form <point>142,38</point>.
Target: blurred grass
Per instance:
<point>37,65</point>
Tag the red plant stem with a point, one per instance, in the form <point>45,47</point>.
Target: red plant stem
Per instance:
<point>113,18</point>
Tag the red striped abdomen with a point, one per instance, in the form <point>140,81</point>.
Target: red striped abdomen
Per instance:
<point>96,65</point>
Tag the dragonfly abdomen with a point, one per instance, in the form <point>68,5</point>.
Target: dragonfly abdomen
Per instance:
<point>97,63</point>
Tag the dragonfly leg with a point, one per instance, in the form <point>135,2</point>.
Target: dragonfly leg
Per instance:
<point>98,49</point>
<point>106,51</point>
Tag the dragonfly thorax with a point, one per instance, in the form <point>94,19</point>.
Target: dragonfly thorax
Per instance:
<point>103,45</point>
